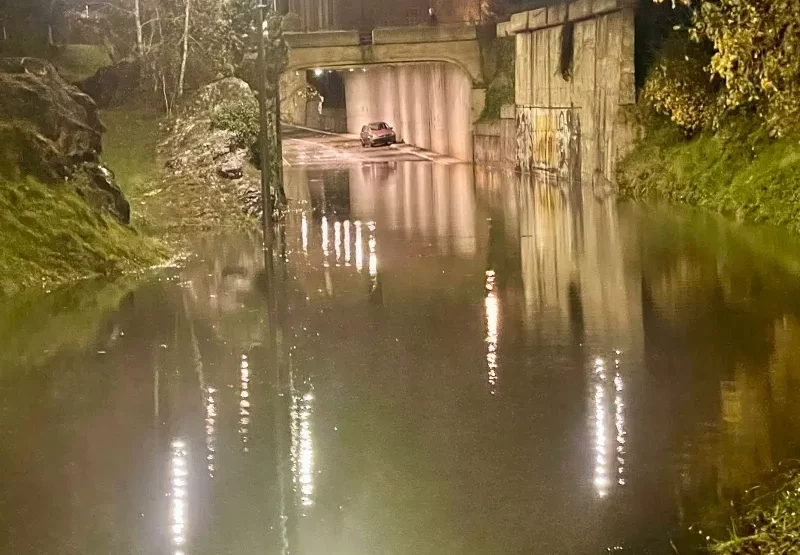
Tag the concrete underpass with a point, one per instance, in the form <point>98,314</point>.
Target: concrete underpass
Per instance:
<point>427,104</point>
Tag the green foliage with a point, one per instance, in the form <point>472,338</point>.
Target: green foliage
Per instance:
<point>241,118</point>
<point>771,525</point>
<point>76,62</point>
<point>738,171</point>
<point>757,44</point>
<point>498,57</point>
<point>51,235</point>
<point>500,91</point>
<point>678,85</point>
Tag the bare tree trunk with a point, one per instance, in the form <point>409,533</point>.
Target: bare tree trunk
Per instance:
<point>185,54</point>
<point>137,13</point>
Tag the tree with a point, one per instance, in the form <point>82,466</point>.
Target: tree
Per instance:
<point>756,45</point>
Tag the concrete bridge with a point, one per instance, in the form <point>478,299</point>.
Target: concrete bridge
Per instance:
<point>574,77</point>
<point>426,81</point>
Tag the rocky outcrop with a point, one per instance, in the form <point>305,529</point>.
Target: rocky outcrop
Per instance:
<point>51,130</point>
<point>112,85</point>
<point>195,150</point>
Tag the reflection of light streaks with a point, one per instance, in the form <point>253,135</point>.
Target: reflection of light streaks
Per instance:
<point>211,422</point>
<point>373,256</point>
<point>337,241</point>
<point>304,232</point>
<point>179,470</point>
<point>602,448</point>
<point>359,247</point>
<point>325,238</point>
<point>601,481</point>
<point>244,402</point>
<point>619,421</point>
<point>492,307</point>
<point>347,243</point>
<point>303,447</point>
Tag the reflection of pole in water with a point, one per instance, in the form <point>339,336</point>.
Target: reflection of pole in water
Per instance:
<point>373,257</point>
<point>492,308</point>
<point>179,475</point>
<point>244,402</point>
<point>325,253</point>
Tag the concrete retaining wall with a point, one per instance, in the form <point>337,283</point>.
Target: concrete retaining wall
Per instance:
<point>573,125</point>
<point>428,104</point>
<point>495,142</point>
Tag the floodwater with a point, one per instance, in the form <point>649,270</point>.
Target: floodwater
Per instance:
<point>440,361</point>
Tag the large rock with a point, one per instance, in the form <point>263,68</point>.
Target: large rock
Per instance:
<point>51,130</point>
<point>196,151</point>
<point>111,85</point>
<point>53,125</point>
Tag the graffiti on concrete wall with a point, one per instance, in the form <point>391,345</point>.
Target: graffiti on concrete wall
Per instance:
<point>547,139</point>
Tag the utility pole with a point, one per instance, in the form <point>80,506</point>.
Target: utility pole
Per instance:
<point>278,138</point>
<point>266,198</point>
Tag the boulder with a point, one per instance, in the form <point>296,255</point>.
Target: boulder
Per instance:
<point>113,84</point>
<point>196,151</point>
<point>53,125</point>
<point>233,168</point>
<point>51,130</point>
<point>97,186</point>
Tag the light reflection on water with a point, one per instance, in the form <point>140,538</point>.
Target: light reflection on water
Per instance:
<point>646,380</point>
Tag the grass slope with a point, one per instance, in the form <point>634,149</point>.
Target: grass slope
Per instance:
<point>50,235</point>
<point>738,172</point>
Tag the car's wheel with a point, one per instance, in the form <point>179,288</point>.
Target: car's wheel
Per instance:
<point>369,144</point>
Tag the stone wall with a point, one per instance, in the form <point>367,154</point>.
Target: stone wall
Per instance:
<point>428,104</point>
<point>495,141</point>
<point>574,75</point>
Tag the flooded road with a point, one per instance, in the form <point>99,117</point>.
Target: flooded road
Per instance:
<point>441,361</point>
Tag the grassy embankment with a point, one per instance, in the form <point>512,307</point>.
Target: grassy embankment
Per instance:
<point>738,171</point>
<point>51,236</point>
<point>772,524</point>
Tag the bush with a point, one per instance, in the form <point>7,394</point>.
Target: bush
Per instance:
<point>679,86</point>
<point>757,44</point>
<point>241,118</point>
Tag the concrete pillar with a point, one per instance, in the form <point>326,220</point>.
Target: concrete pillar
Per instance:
<point>421,135</point>
<point>439,113</point>
<point>358,92</point>
<point>459,124</point>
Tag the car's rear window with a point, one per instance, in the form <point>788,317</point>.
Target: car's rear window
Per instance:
<point>377,126</point>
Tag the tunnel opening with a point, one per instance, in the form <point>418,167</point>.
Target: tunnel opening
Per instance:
<point>427,104</point>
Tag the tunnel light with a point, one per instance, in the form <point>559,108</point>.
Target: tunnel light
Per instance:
<point>317,72</point>
<point>351,70</point>
<point>364,69</point>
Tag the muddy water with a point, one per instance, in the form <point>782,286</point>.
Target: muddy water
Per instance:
<point>439,361</point>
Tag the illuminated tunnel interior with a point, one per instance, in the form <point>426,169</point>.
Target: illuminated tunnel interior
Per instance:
<point>428,104</point>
